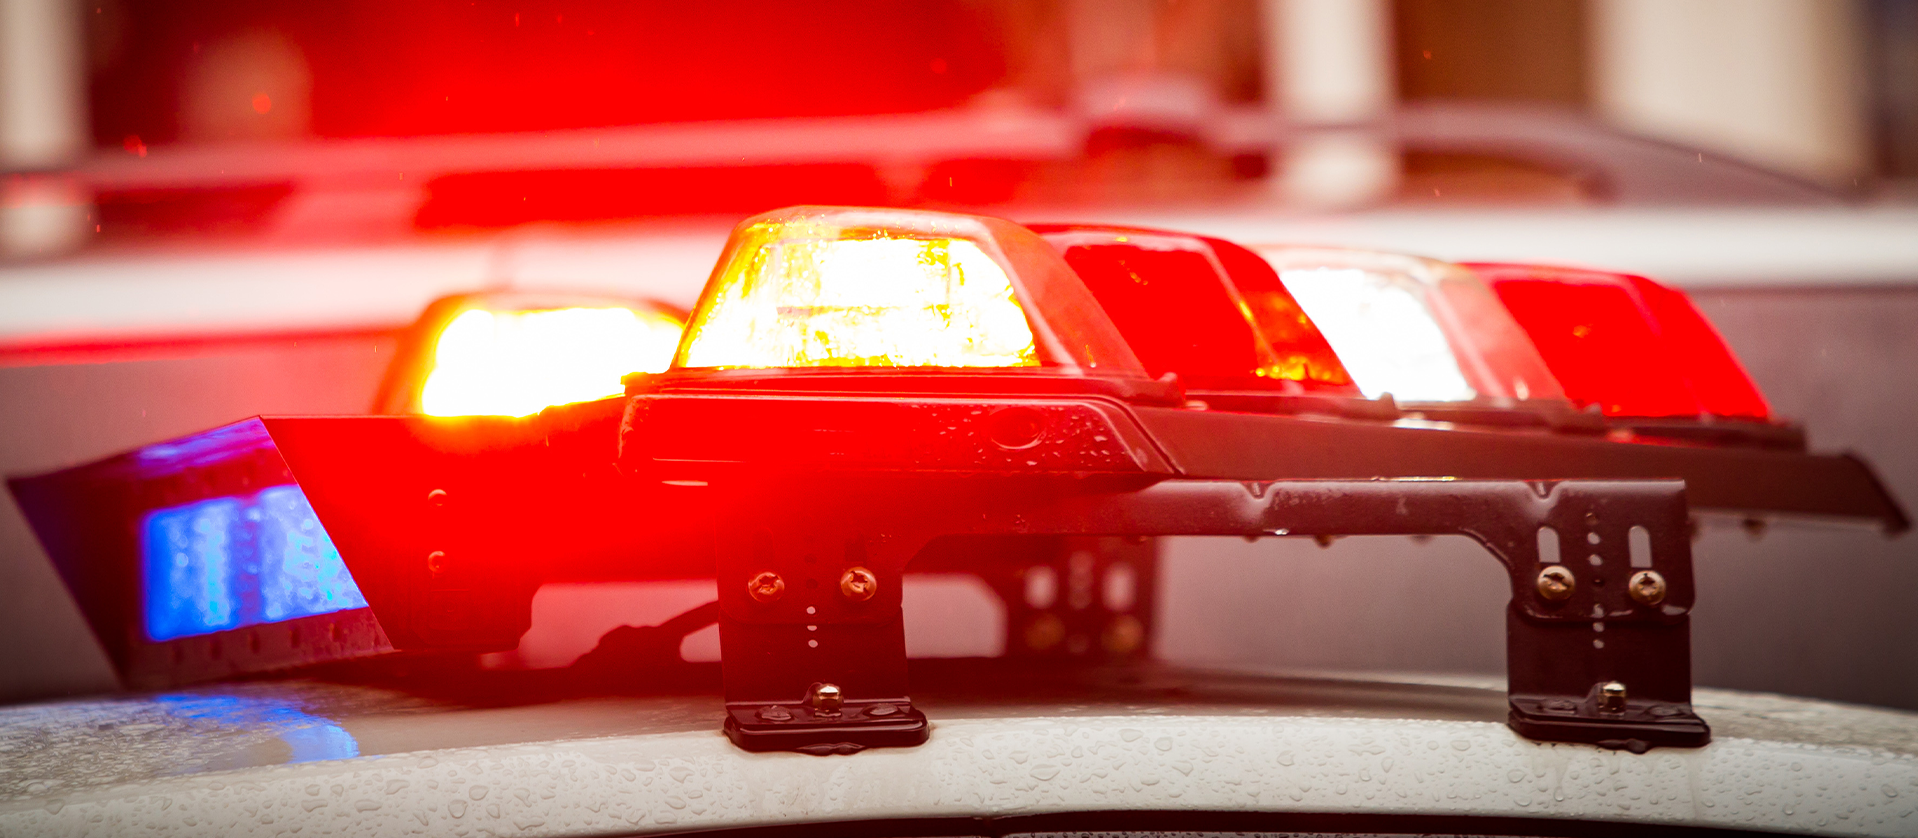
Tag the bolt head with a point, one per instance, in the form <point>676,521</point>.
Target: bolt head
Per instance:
<point>827,698</point>
<point>1647,587</point>
<point>1555,583</point>
<point>766,588</point>
<point>858,584</point>
<point>1611,697</point>
<point>1045,632</point>
<point>1124,635</point>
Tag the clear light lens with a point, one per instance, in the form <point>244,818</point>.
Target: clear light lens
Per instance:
<point>791,298</point>
<point>515,363</point>
<point>1382,331</point>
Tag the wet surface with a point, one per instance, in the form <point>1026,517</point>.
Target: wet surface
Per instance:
<point>47,750</point>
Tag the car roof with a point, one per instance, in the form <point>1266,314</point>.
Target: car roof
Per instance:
<point>265,757</point>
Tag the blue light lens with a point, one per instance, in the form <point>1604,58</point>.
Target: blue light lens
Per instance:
<point>230,562</point>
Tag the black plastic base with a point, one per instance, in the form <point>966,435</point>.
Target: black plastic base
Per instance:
<point>1638,728</point>
<point>854,728</point>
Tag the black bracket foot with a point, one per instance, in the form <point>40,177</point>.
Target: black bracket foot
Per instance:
<point>854,727</point>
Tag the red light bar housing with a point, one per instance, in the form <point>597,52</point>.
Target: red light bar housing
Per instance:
<point>1635,350</point>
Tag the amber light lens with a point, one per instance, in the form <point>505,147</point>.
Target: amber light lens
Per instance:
<point>798,295</point>
<point>515,363</point>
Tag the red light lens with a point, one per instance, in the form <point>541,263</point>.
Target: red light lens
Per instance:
<point>1205,309</point>
<point>1625,343</point>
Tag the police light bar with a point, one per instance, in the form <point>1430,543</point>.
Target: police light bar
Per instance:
<point>855,393</point>
<point>513,353</point>
<point>1636,351</point>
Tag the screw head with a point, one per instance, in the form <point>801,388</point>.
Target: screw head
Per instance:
<point>1647,587</point>
<point>1556,584</point>
<point>1611,697</point>
<point>827,698</point>
<point>766,588</point>
<point>1124,635</point>
<point>1044,632</point>
<point>858,584</point>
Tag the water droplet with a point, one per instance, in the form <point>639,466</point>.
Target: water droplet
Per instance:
<point>477,792</point>
<point>1131,735</point>
<point>1164,743</point>
<point>456,808</point>
<point>1045,772</point>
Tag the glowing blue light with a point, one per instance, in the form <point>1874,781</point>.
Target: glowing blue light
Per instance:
<point>230,562</point>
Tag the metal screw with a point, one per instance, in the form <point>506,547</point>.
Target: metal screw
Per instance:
<point>1124,635</point>
<point>1611,697</point>
<point>827,699</point>
<point>1555,583</point>
<point>858,584</point>
<point>767,587</point>
<point>1044,632</point>
<point>1647,587</point>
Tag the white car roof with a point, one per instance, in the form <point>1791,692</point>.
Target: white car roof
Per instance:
<point>270,757</point>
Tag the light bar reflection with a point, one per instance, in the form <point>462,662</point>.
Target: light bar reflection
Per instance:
<point>231,562</point>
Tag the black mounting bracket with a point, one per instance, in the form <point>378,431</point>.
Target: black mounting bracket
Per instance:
<point>814,647</point>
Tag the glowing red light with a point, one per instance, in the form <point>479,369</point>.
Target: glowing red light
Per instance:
<point>1206,309</point>
<point>1625,343</point>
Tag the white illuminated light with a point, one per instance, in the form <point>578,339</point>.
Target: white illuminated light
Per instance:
<point>1382,332</point>
<point>514,363</point>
